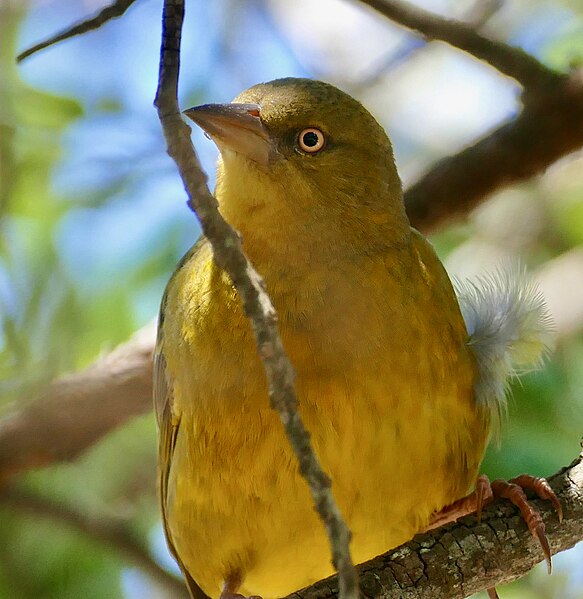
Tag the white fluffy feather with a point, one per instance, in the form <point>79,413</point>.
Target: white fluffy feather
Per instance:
<point>509,328</point>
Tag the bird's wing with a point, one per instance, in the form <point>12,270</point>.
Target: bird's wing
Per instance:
<point>168,426</point>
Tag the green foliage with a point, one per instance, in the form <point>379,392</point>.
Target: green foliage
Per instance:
<point>49,560</point>
<point>48,326</point>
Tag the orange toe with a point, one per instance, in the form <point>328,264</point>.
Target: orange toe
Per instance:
<point>513,490</point>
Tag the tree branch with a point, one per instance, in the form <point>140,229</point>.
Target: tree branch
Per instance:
<point>76,411</point>
<point>506,59</point>
<point>548,128</point>
<point>117,9</point>
<point>458,560</point>
<point>477,16</point>
<point>114,532</point>
<point>228,254</point>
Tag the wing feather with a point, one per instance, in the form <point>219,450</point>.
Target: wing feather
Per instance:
<point>168,427</point>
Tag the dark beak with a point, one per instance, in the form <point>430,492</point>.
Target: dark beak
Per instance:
<point>236,127</point>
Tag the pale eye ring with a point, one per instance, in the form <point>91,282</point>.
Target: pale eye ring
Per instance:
<point>311,140</point>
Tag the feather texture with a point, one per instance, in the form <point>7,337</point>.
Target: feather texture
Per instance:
<point>510,331</point>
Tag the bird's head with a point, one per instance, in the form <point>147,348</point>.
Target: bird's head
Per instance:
<point>298,153</point>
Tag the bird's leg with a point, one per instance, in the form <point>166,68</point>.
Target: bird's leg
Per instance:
<point>474,502</point>
<point>513,490</point>
<point>231,586</point>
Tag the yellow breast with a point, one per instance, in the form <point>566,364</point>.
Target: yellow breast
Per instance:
<point>384,382</point>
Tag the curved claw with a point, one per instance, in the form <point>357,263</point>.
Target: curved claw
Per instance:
<point>492,594</point>
<point>483,495</point>
<point>514,492</point>
<point>541,487</point>
<point>544,543</point>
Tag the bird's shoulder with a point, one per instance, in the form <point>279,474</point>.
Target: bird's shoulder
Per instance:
<point>199,297</point>
<point>436,283</point>
<point>187,278</point>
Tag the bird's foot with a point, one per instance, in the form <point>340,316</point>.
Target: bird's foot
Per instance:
<point>513,490</point>
<point>474,502</point>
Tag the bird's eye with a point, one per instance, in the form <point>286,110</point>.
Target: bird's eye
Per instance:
<point>311,140</point>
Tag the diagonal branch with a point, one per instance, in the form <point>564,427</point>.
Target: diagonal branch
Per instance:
<point>456,561</point>
<point>477,17</point>
<point>548,128</point>
<point>117,9</point>
<point>510,61</point>
<point>76,411</point>
<point>114,532</point>
<point>228,254</point>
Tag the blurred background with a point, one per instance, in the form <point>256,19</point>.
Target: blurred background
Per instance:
<point>93,220</point>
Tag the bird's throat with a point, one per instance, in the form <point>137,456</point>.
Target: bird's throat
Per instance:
<point>296,230</point>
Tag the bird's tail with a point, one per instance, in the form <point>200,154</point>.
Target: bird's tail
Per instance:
<point>509,330</point>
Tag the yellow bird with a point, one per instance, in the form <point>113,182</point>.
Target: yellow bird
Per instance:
<point>396,388</point>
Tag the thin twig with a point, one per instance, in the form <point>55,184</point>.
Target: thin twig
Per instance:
<point>114,532</point>
<point>229,255</point>
<point>479,14</point>
<point>117,9</point>
<point>508,60</point>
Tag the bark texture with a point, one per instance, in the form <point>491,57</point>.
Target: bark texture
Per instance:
<point>461,559</point>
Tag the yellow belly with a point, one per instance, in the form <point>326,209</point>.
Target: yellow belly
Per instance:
<point>392,420</point>
<point>239,504</point>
